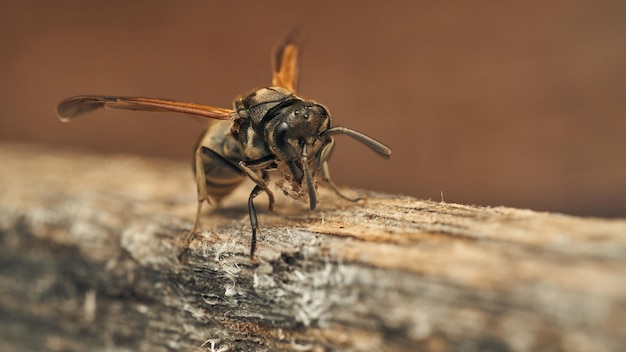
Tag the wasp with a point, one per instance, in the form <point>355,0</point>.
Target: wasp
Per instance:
<point>272,129</point>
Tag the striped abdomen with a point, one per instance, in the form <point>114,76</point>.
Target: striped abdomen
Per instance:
<point>220,154</point>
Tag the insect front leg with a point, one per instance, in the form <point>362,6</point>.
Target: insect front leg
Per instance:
<point>260,181</point>
<point>253,220</point>
<point>261,186</point>
<point>266,177</point>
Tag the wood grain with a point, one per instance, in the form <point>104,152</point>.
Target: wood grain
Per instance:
<point>89,248</point>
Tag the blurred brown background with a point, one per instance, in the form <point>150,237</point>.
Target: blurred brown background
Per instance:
<point>498,103</point>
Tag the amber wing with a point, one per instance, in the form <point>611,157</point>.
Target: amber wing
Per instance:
<point>79,105</point>
<point>286,65</point>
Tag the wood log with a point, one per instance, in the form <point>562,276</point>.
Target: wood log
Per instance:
<point>89,244</point>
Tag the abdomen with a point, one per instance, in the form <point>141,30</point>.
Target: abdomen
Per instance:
<point>220,155</point>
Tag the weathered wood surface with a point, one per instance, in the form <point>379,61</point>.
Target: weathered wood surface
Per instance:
<point>88,263</point>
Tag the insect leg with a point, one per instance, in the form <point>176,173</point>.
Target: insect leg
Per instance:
<point>260,181</point>
<point>265,177</point>
<point>252,174</point>
<point>202,195</point>
<point>216,176</point>
<point>323,159</point>
<point>327,179</point>
<point>253,220</point>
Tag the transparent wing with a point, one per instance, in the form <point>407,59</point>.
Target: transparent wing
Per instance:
<point>79,105</point>
<point>286,65</point>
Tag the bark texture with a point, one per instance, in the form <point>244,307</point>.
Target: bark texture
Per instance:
<point>88,262</point>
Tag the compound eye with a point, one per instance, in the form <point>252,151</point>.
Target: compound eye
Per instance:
<point>280,133</point>
<point>320,111</point>
<point>280,138</point>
